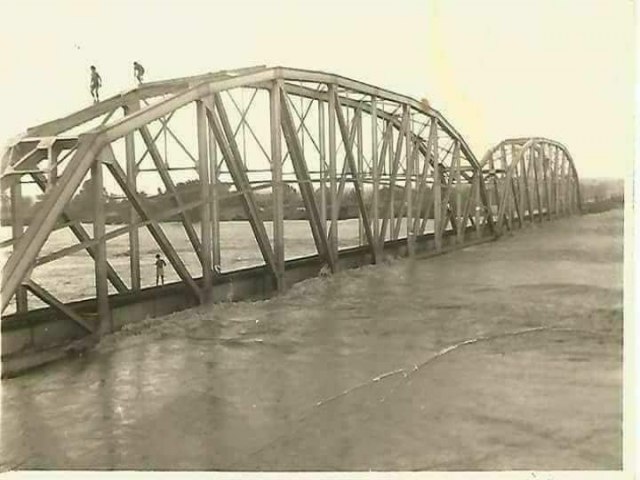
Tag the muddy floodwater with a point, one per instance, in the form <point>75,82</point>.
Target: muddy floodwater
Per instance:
<point>503,356</point>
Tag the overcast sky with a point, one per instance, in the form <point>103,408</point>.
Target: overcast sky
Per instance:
<point>556,68</point>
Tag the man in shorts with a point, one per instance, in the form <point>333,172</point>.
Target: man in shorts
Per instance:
<point>96,83</point>
<point>160,264</point>
<point>138,72</point>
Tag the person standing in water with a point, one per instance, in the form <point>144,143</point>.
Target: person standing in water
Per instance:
<point>138,72</point>
<point>160,264</point>
<point>96,83</point>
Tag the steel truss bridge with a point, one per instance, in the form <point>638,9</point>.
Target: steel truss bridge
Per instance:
<point>411,174</point>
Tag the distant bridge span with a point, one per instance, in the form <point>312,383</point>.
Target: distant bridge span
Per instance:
<point>412,178</point>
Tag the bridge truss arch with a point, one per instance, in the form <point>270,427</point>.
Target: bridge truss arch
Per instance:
<point>409,175</point>
<point>530,178</point>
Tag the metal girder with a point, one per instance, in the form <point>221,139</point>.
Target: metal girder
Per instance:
<point>206,248</point>
<point>147,90</point>
<point>102,290</point>
<point>343,177</point>
<point>356,183</point>
<point>275,120</point>
<point>155,230</point>
<point>132,173</point>
<point>31,242</point>
<point>422,185</point>
<point>411,156</point>
<point>81,234</point>
<point>394,171</point>
<point>170,186</point>
<point>219,125</point>
<point>91,242</point>
<point>304,182</point>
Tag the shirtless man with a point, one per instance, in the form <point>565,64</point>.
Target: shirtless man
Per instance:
<point>96,83</point>
<point>138,72</point>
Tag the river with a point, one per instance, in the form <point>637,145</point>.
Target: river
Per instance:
<point>506,355</point>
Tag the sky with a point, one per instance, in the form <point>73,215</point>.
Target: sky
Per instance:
<point>562,69</point>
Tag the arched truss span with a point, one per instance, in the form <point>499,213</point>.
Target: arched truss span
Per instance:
<point>529,178</point>
<point>408,173</point>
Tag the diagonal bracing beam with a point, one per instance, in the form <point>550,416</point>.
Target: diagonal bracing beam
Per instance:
<point>304,182</point>
<point>31,242</point>
<point>355,178</point>
<point>153,227</point>
<point>82,236</point>
<point>52,301</point>
<point>221,128</point>
<point>169,185</point>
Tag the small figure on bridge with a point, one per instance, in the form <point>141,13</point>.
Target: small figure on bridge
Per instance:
<point>138,72</point>
<point>160,264</point>
<point>96,83</point>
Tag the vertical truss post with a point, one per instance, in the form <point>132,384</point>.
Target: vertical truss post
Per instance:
<point>345,166</point>
<point>422,215</point>
<point>437,191</point>
<point>351,161</point>
<point>475,190</point>
<point>563,186</point>
<point>102,288</point>
<point>205,208</point>
<point>469,203</point>
<point>571,194</point>
<point>333,191</point>
<point>52,155</point>
<point>493,194</point>
<point>518,196</point>
<point>219,124</point>
<point>17,226</point>
<point>526,170</point>
<point>323,163</point>
<point>132,173</point>
<point>304,182</point>
<point>446,203</point>
<point>410,154</point>
<point>460,222</point>
<point>386,151</point>
<point>215,201</point>
<point>537,158</point>
<point>376,175</point>
<point>392,197</point>
<point>394,164</point>
<point>578,195</point>
<point>387,210</point>
<point>360,174</point>
<point>275,118</point>
<point>556,184</point>
<point>518,172</point>
<point>514,198</point>
<point>546,162</point>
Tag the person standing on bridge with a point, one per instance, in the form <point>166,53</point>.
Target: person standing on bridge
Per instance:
<point>138,72</point>
<point>160,264</point>
<point>96,83</point>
